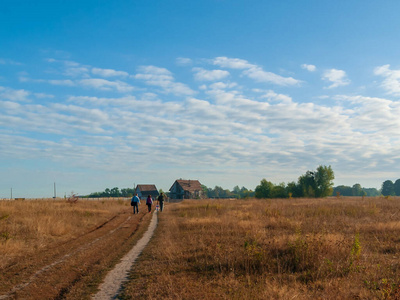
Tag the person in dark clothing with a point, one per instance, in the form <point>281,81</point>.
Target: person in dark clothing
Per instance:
<point>149,202</point>
<point>135,203</point>
<point>161,199</point>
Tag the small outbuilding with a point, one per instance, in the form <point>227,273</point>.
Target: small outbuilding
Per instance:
<point>186,189</point>
<point>143,190</point>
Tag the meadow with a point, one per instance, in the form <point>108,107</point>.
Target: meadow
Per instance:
<point>331,248</point>
<point>27,226</point>
<point>52,249</point>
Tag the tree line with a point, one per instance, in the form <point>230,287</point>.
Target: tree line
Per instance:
<point>114,192</point>
<point>316,184</point>
<point>388,188</point>
<point>355,190</point>
<point>219,192</point>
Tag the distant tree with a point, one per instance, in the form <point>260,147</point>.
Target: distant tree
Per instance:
<point>388,188</point>
<point>205,190</point>
<point>264,189</point>
<point>294,189</point>
<point>114,192</point>
<point>236,192</point>
<point>318,183</point>
<point>372,192</point>
<point>307,184</point>
<point>245,193</point>
<point>397,187</point>
<point>127,192</point>
<point>279,191</point>
<point>324,181</point>
<point>343,190</point>
<point>357,190</point>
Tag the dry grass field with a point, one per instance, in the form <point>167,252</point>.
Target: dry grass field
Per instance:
<point>27,226</point>
<point>346,248</point>
<point>51,249</point>
<point>334,248</point>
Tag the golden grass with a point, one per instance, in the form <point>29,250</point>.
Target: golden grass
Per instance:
<point>26,226</point>
<point>347,248</point>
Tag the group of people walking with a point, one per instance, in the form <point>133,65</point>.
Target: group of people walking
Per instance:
<point>135,202</point>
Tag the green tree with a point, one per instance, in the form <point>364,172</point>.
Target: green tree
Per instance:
<point>343,190</point>
<point>264,189</point>
<point>115,192</point>
<point>371,192</point>
<point>324,181</point>
<point>356,190</point>
<point>397,187</point>
<point>205,190</point>
<point>279,191</point>
<point>245,193</point>
<point>107,193</point>
<point>388,188</point>
<point>318,183</point>
<point>294,189</point>
<point>307,184</point>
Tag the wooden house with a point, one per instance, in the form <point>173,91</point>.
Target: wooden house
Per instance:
<point>186,189</point>
<point>143,190</point>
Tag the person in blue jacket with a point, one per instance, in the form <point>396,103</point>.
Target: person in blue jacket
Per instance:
<point>135,202</point>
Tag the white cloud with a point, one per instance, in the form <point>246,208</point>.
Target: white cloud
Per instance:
<point>13,95</point>
<point>259,75</point>
<point>66,82</point>
<point>337,77</point>
<point>106,85</point>
<point>76,72</point>
<point>310,68</point>
<point>209,75</point>
<point>4,61</point>
<point>271,95</point>
<point>163,78</point>
<point>391,83</point>
<point>254,72</point>
<point>109,72</point>
<point>183,61</point>
<point>232,63</point>
<point>223,85</point>
<point>43,95</point>
<point>10,106</point>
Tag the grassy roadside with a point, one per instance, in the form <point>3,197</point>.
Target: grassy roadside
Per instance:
<point>84,240</point>
<point>272,249</point>
<point>29,226</point>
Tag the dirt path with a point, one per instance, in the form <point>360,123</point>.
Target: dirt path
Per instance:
<point>73,270</point>
<point>111,286</point>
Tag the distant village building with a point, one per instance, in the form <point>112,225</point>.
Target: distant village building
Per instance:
<point>143,190</point>
<point>186,189</point>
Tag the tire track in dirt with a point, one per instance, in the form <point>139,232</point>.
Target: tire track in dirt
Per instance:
<point>112,284</point>
<point>65,257</point>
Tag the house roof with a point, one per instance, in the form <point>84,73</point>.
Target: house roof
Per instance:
<point>189,185</point>
<point>146,187</point>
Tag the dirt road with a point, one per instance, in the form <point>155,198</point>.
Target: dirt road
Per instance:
<point>112,283</point>
<point>74,269</point>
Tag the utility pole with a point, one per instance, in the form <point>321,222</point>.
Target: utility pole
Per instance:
<point>55,191</point>
<point>11,193</point>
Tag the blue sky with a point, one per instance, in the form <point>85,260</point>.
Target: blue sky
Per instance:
<point>97,94</point>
